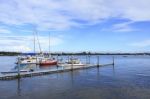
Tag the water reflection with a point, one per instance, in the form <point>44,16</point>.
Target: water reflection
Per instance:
<point>72,78</point>
<point>98,73</point>
<point>113,66</point>
<point>19,86</point>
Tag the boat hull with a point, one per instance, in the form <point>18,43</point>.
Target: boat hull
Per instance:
<point>49,63</point>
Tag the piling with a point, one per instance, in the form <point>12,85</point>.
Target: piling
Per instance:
<point>86,59</point>
<point>89,59</point>
<point>18,65</point>
<point>57,57</point>
<point>57,61</point>
<point>68,58</point>
<point>98,61</point>
<point>37,62</point>
<point>71,63</point>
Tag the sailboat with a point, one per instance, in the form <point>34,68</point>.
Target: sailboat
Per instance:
<point>29,58</point>
<point>48,61</point>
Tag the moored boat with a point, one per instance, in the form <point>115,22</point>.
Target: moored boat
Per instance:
<point>72,62</point>
<point>48,62</point>
<point>29,58</point>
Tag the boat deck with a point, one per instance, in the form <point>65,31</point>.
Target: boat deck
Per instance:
<point>12,76</point>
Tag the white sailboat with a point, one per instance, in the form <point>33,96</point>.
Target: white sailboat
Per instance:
<point>31,58</point>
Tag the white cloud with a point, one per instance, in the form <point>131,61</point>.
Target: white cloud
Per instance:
<point>135,10</point>
<point>61,14</point>
<point>25,43</point>
<point>4,31</point>
<point>121,27</point>
<point>142,44</point>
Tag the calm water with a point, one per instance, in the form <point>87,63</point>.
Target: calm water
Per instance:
<point>128,79</point>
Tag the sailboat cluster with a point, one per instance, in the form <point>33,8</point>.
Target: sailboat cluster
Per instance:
<point>27,62</point>
<point>38,59</point>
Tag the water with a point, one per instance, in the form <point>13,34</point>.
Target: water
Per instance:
<point>128,79</point>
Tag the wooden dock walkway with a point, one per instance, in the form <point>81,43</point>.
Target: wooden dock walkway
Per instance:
<point>45,72</point>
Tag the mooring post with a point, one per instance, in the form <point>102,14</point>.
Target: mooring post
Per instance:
<point>18,67</point>
<point>36,62</point>
<point>98,61</point>
<point>68,58</point>
<point>86,59</point>
<point>57,61</point>
<point>89,59</point>
<point>72,63</point>
<point>57,57</point>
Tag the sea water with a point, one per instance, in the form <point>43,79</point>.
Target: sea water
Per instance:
<point>129,78</point>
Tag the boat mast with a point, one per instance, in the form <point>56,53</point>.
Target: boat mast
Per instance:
<point>49,46</point>
<point>34,41</point>
<point>38,41</point>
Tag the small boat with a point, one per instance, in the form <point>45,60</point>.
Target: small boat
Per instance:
<point>29,59</point>
<point>72,62</point>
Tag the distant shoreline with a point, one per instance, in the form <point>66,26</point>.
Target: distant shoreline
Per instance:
<point>77,53</point>
<point>9,53</point>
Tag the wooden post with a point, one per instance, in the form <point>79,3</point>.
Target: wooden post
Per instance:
<point>68,58</point>
<point>98,61</point>
<point>89,59</point>
<point>86,59</point>
<point>71,63</point>
<point>19,61</point>
<point>57,57</point>
<point>36,62</point>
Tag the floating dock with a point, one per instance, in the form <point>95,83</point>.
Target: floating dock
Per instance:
<point>45,72</point>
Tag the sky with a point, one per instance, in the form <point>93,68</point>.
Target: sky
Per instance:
<point>75,25</point>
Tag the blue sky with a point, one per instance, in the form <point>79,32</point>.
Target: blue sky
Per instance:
<point>75,25</point>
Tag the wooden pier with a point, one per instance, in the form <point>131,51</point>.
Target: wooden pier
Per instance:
<point>45,72</point>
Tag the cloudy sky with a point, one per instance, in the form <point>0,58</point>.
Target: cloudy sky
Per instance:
<point>75,25</point>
